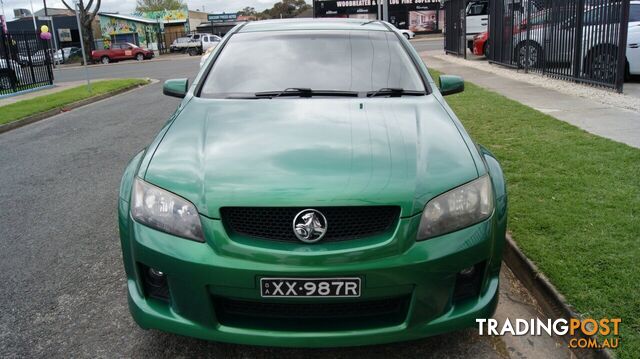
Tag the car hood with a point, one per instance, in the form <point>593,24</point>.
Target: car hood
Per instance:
<point>311,153</point>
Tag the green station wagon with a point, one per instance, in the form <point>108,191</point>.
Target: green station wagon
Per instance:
<point>313,189</point>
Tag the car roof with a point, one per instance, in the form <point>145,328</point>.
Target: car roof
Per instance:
<point>314,24</point>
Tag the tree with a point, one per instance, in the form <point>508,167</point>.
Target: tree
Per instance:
<point>287,8</point>
<point>158,5</point>
<point>248,11</point>
<point>282,9</point>
<point>86,16</point>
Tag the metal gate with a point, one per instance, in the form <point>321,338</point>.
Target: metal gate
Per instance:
<point>454,27</point>
<point>25,62</point>
<point>579,40</point>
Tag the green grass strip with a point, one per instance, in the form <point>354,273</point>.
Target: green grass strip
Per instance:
<point>32,106</point>
<point>574,204</point>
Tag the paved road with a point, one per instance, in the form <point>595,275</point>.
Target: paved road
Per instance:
<point>61,278</point>
<point>428,44</point>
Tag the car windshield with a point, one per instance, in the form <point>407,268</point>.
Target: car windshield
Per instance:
<point>356,61</point>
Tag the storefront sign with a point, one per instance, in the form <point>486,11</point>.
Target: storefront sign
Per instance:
<point>64,35</point>
<point>222,17</point>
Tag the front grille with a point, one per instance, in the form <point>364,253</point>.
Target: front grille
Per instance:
<point>343,223</point>
<point>356,314</point>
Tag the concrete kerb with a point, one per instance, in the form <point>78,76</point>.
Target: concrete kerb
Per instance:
<point>552,302</point>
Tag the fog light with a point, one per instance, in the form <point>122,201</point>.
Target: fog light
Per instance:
<point>467,272</point>
<point>155,283</point>
<point>156,277</point>
<point>468,282</point>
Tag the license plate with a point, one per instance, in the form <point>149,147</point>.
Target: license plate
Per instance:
<point>309,287</point>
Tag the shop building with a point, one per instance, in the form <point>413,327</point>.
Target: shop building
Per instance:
<point>419,16</point>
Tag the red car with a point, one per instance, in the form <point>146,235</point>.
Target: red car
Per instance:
<point>480,45</point>
<point>119,52</point>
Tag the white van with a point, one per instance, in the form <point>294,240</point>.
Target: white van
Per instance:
<point>477,18</point>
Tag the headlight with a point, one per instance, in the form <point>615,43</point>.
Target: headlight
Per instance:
<point>459,208</point>
<point>165,211</point>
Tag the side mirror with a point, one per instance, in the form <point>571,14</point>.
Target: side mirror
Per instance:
<point>450,84</point>
<point>176,87</point>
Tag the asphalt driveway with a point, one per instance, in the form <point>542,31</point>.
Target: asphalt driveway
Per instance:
<point>61,277</point>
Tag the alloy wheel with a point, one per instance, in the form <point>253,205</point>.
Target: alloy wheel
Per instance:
<point>603,67</point>
<point>531,60</point>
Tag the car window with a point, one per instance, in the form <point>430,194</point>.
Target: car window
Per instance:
<point>328,60</point>
<point>602,15</point>
<point>634,12</point>
<point>477,8</point>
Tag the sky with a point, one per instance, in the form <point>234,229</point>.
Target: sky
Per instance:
<point>128,6</point>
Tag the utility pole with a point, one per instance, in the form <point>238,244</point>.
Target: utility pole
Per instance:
<point>385,10</point>
<point>33,17</point>
<point>84,55</point>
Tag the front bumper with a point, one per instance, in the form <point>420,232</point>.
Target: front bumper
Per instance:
<point>197,273</point>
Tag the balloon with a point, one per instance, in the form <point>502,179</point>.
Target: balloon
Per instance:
<point>44,28</point>
<point>45,35</point>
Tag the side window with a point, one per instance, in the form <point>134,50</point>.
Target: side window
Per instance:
<point>205,39</point>
<point>477,9</point>
<point>196,37</point>
<point>601,16</point>
<point>634,12</point>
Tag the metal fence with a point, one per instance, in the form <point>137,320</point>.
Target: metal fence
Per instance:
<point>25,62</point>
<point>579,40</point>
<point>455,29</point>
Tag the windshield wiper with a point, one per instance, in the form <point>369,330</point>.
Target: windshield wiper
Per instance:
<point>394,92</point>
<point>304,92</point>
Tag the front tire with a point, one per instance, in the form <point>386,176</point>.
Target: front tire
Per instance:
<point>105,59</point>
<point>139,57</point>
<point>603,65</point>
<point>534,59</point>
<point>407,36</point>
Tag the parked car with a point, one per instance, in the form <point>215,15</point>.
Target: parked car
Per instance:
<point>206,55</point>
<point>123,51</point>
<point>209,41</point>
<point>10,72</point>
<point>633,52</point>
<point>195,44</point>
<point>477,19</point>
<point>599,42</point>
<point>302,198</point>
<point>480,45</point>
<point>179,44</point>
<point>35,58</point>
<point>66,53</point>
<point>408,34</point>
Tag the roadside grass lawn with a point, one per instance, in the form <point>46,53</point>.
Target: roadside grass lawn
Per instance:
<point>574,204</point>
<point>24,108</point>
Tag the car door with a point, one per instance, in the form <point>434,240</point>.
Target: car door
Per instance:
<point>117,52</point>
<point>633,40</point>
<point>128,52</point>
<point>205,43</point>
